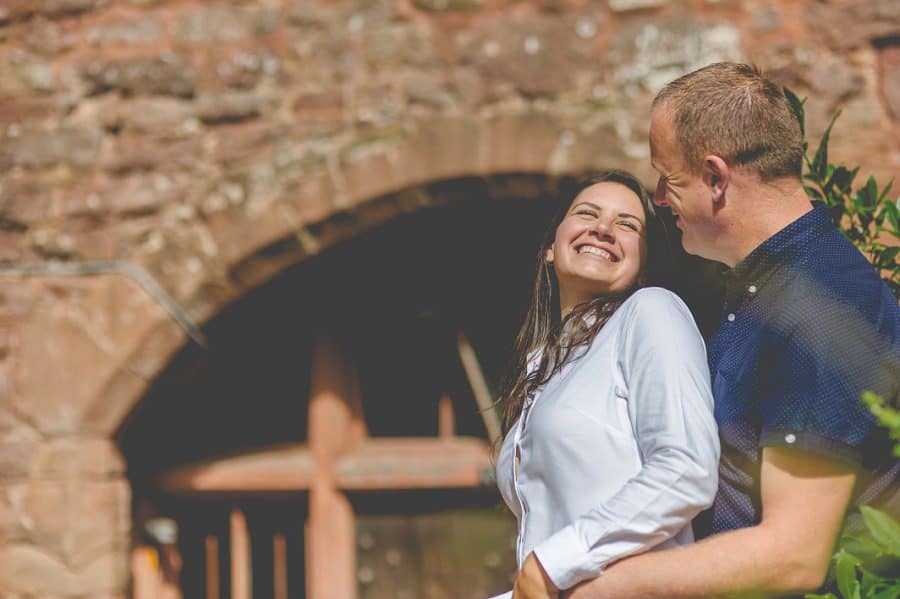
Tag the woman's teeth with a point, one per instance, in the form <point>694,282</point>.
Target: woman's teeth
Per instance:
<point>589,249</point>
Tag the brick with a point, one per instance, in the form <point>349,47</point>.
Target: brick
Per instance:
<point>143,30</point>
<point>38,148</point>
<point>222,23</point>
<point>890,80</point>
<point>167,74</point>
<point>845,24</point>
<point>145,152</point>
<point>232,106</point>
<point>23,74</point>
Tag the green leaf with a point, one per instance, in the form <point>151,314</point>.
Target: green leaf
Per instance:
<point>885,530</point>
<point>843,178</point>
<point>845,571</point>
<point>820,160</point>
<point>825,596</point>
<point>885,191</point>
<point>889,256</point>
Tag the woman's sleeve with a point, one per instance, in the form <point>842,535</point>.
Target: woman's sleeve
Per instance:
<point>662,360</point>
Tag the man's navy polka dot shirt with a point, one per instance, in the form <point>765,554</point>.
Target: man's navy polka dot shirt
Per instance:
<point>807,326</point>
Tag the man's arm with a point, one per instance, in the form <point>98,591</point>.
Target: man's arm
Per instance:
<point>804,497</point>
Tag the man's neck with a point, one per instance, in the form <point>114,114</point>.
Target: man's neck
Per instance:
<point>765,210</point>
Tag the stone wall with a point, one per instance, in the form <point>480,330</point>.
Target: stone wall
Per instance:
<point>207,145</point>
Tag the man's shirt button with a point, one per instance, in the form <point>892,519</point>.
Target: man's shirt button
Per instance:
<point>731,317</point>
<point>790,438</point>
<point>752,288</point>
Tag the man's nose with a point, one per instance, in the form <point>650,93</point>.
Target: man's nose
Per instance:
<point>659,195</point>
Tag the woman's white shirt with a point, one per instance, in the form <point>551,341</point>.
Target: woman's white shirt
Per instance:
<point>619,450</point>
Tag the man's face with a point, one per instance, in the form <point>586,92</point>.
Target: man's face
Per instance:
<point>684,193</point>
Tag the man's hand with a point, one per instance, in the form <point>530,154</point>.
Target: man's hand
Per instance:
<point>532,582</point>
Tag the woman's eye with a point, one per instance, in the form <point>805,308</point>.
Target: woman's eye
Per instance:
<point>586,213</point>
<point>629,225</point>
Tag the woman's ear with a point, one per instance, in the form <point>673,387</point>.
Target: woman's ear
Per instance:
<point>548,255</point>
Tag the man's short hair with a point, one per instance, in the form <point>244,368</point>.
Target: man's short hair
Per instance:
<point>733,111</point>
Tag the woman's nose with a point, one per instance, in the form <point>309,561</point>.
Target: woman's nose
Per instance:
<point>604,229</point>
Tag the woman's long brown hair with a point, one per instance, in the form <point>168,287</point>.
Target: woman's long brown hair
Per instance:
<point>541,333</point>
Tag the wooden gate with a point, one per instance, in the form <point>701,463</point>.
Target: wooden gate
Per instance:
<point>233,510</point>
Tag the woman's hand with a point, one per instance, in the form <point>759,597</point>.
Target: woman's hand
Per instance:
<point>533,583</point>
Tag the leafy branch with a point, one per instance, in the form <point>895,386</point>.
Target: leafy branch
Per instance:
<point>866,215</point>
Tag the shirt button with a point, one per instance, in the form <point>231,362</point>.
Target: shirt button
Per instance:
<point>790,438</point>
<point>752,288</point>
<point>730,317</point>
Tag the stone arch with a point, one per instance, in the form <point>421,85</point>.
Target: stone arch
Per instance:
<point>364,185</point>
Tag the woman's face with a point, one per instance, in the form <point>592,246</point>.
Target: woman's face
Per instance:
<point>599,247</point>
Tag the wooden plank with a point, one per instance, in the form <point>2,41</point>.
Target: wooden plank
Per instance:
<point>145,573</point>
<point>479,385</point>
<point>281,468</point>
<point>279,566</point>
<point>446,417</point>
<point>408,463</point>
<point>334,414</point>
<point>240,556</point>
<point>212,567</point>
<point>382,463</point>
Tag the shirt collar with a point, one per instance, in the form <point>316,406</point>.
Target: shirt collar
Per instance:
<point>751,274</point>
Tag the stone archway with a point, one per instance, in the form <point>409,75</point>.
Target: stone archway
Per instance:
<point>83,350</point>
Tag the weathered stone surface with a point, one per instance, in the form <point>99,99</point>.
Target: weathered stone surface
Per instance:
<point>627,5</point>
<point>26,570</point>
<point>67,330</point>
<point>404,44</point>
<point>890,79</point>
<point>426,89</point>
<point>243,68</point>
<point>835,82</point>
<point>146,29</point>
<point>129,195</point>
<point>319,113</point>
<point>47,37</point>
<point>844,24</point>
<point>24,201</point>
<point>231,106</point>
<point>539,55</point>
<point>168,73</point>
<point>313,14</point>
<point>146,151</point>
<point>234,143</point>
<point>448,5</point>
<point>77,520</point>
<point>649,54</point>
<point>158,115</point>
<point>17,9</point>
<point>23,74</point>
<point>222,23</point>
<point>37,149</point>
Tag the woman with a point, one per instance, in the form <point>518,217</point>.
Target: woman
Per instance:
<point>610,445</point>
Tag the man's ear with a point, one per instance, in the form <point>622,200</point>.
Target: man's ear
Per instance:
<point>548,255</point>
<point>717,174</point>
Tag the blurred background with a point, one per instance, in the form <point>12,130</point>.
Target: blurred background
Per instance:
<point>262,261</point>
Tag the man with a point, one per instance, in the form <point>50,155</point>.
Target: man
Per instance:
<point>807,326</point>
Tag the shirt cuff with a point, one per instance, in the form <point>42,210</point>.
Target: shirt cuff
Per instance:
<point>812,442</point>
<point>565,559</point>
